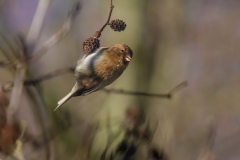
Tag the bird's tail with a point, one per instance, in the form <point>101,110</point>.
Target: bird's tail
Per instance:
<point>67,97</point>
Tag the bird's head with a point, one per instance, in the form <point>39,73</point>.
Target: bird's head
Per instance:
<point>121,53</point>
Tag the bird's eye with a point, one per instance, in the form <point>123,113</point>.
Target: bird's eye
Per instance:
<point>122,51</point>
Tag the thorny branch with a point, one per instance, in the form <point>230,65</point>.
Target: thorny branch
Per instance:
<point>98,33</point>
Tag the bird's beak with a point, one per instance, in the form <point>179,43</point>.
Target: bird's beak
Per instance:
<point>128,58</point>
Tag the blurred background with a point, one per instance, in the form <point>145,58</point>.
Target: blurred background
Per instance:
<point>173,41</point>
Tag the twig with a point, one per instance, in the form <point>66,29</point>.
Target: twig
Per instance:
<point>60,72</point>
<point>178,87</point>
<point>43,118</point>
<point>58,36</point>
<point>117,91</point>
<point>8,44</point>
<point>6,64</point>
<point>5,54</point>
<point>98,33</point>
<point>49,76</point>
<point>24,51</point>
<point>157,95</point>
<point>37,22</point>
<point>17,92</point>
<point>135,93</point>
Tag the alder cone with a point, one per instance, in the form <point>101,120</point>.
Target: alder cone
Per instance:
<point>118,25</point>
<point>90,44</point>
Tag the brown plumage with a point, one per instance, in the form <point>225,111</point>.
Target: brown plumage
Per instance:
<point>99,69</point>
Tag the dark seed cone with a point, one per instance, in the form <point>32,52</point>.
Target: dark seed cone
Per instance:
<point>118,25</point>
<point>90,44</point>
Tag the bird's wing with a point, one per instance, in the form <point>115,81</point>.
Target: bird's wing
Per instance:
<point>98,50</point>
<point>85,63</point>
<point>83,87</point>
<point>90,90</point>
<point>89,83</point>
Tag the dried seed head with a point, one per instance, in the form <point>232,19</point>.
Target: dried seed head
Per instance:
<point>90,44</point>
<point>118,25</point>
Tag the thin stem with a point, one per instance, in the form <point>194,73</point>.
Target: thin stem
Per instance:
<point>8,44</point>
<point>157,95</point>
<point>135,93</point>
<point>58,36</point>
<point>178,87</point>
<point>98,33</point>
<point>17,92</point>
<point>49,76</point>
<point>5,54</point>
<point>6,64</point>
<point>117,91</point>
<point>37,23</point>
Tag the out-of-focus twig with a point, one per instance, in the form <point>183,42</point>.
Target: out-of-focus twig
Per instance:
<point>157,95</point>
<point>117,91</point>
<point>8,44</point>
<point>6,64</point>
<point>43,118</point>
<point>98,33</point>
<point>207,152</point>
<point>58,36</point>
<point>49,76</point>
<point>60,72</point>
<point>6,55</point>
<point>16,92</point>
<point>37,22</point>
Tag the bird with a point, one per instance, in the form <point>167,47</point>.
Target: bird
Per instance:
<point>98,69</point>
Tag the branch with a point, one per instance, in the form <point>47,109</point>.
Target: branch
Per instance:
<point>37,22</point>
<point>157,95</point>
<point>98,33</point>
<point>6,64</point>
<point>58,36</point>
<point>49,76</point>
<point>9,45</point>
<point>12,63</point>
<point>16,92</point>
<point>6,55</point>
<point>117,91</point>
<point>45,121</point>
<point>60,72</point>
